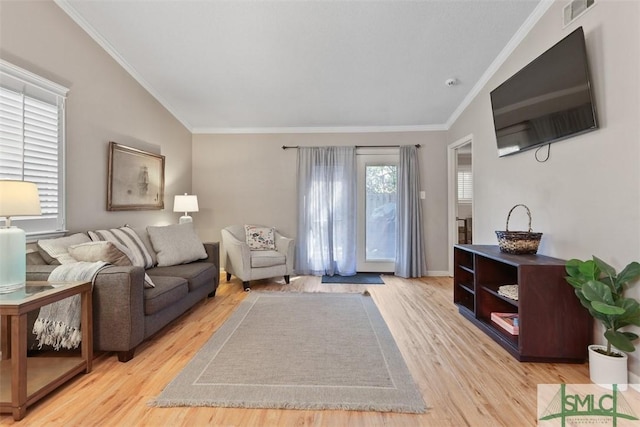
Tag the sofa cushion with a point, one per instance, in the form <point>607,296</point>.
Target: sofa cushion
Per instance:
<point>176,244</point>
<point>167,291</point>
<point>260,238</point>
<point>267,259</point>
<point>197,274</point>
<point>34,257</point>
<point>39,272</point>
<point>54,251</point>
<point>99,251</point>
<point>126,237</point>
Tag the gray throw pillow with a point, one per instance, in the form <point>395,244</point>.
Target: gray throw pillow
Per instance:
<point>176,244</point>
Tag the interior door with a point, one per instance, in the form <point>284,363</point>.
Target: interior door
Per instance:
<point>464,194</point>
<point>376,211</point>
<point>454,152</point>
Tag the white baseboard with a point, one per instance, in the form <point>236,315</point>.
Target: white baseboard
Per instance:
<point>436,273</point>
<point>430,273</point>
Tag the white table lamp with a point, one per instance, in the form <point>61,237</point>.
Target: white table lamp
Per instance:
<point>186,203</point>
<point>17,198</point>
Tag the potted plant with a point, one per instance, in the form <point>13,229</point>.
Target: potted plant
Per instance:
<point>600,290</point>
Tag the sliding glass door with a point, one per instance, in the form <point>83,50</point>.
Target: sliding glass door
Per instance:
<point>376,212</point>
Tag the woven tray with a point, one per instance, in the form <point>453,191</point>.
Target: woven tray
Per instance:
<point>509,291</point>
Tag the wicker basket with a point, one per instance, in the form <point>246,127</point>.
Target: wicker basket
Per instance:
<point>518,242</point>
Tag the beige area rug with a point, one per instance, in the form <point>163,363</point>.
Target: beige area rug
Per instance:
<point>299,351</point>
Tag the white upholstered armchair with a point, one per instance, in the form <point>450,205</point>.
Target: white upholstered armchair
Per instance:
<point>268,258</point>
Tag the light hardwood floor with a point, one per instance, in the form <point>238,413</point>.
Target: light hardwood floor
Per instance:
<point>466,379</point>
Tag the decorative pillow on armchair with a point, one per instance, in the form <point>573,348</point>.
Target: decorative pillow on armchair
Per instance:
<point>260,238</point>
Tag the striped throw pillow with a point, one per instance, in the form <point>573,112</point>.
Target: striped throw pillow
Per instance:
<point>125,236</point>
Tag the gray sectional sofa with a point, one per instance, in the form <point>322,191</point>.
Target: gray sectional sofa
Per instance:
<point>125,310</point>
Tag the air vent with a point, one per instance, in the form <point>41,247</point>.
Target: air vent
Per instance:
<point>576,9</point>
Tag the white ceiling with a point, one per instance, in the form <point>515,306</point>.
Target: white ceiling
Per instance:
<point>260,66</point>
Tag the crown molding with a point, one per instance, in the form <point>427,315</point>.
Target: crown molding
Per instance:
<point>320,129</point>
<point>515,41</point>
<point>522,32</point>
<point>97,37</point>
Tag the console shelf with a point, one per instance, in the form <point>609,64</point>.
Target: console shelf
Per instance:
<point>553,326</point>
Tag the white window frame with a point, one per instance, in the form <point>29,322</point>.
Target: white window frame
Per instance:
<point>33,86</point>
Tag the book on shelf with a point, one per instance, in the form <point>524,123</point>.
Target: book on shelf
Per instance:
<point>507,321</point>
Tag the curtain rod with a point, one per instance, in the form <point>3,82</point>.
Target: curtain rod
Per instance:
<point>285,147</point>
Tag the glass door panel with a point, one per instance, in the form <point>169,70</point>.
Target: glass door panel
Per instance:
<point>377,196</point>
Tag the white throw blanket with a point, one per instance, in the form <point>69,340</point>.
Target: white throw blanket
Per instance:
<point>58,324</point>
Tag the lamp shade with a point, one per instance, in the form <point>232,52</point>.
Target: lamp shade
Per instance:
<point>185,203</point>
<point>18,198</point>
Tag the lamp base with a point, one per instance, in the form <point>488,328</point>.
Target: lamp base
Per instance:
<point>13,259</point>
<point>185,219</point>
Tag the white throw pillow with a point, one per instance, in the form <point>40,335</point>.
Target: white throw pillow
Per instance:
<point>260,238</point>
<point>56,250</point>
<point>176,244</point>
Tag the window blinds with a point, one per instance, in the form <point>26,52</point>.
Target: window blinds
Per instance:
<point>29,145</point>
<point>32,141</point>
<point>465,186</point>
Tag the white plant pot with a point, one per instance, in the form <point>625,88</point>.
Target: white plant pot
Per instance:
<point>607,370</point>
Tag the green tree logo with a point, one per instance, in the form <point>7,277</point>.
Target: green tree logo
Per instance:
<point>609,404</point>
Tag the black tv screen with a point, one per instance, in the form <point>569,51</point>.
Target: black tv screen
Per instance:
<point>548,100</point>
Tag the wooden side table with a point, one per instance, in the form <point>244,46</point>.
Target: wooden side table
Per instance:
<point>25,380</point>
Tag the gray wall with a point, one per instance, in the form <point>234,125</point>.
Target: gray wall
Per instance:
<point>246,179</point>
<point>104,104</point>
<point>586,197</point>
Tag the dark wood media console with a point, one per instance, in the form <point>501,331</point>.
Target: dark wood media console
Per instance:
<point>553,326</point>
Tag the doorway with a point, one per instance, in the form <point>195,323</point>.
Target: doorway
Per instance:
<point>377,178</point>
<point>460,194</point>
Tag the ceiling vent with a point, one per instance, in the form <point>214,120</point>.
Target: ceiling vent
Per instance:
<point>576,9</point>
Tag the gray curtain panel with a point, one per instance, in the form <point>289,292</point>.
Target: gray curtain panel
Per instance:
<point>326,211</point>
<point>410,254</point>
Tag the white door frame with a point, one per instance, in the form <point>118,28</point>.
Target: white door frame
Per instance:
<point>452,167</point>
<point>366,157</point>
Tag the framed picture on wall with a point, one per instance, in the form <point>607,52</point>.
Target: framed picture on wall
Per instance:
<point>136,179</point>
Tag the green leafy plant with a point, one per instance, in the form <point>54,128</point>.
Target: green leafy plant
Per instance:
<point>601,291</point>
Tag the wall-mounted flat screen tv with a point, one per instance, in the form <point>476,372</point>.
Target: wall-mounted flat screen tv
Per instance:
<point>548,100</point>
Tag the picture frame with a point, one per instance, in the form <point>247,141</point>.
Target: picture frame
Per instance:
<point>136,179</point>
